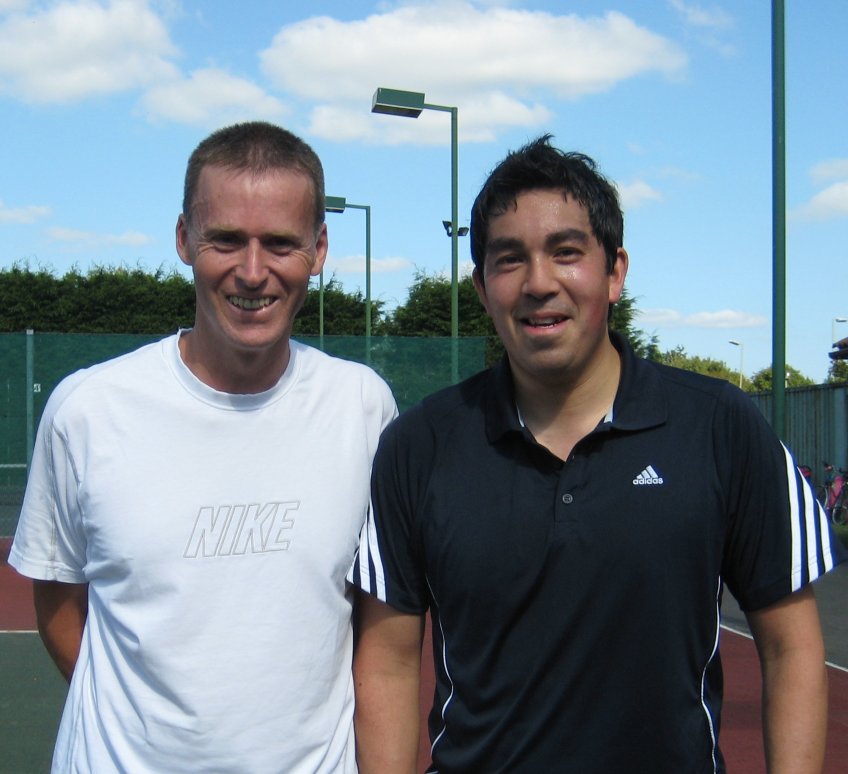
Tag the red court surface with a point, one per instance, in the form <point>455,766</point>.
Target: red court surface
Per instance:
<point>741,739</point>
<point>741,728</point>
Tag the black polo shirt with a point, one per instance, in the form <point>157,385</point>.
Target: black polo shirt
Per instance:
<point>575,604</point>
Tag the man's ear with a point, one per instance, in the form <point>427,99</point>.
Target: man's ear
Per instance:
<point>182,241</point>
<point>322,245</point>
<point>618,274</point>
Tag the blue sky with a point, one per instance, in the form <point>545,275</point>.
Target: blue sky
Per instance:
<point>103,101</point>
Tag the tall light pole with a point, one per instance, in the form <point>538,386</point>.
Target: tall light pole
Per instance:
<point>778,151</point>
<point>741,358</point>
<point>833,328</point>
<point>340,204</point>
<point>409,104</point>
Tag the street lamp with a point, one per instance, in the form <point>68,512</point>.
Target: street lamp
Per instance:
<point>409,104</point>
<point>741,357</point>
<point>463,230</point>
<point>340,204</point>
<point>833,328</point>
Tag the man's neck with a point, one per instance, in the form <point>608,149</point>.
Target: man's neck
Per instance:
<point>561,412</point>
<point>234,372</point>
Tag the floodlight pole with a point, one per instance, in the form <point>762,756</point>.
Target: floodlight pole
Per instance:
<point>778,358</point>
<point>454,235</point>
<point>340,204</point>
<point>409,104</point>
<point>321,310</point>
<point>833,328</point>
<point>741,357</point>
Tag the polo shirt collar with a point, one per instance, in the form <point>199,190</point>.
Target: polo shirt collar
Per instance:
<point>640,401</point>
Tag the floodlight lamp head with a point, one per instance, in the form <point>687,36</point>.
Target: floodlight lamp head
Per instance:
<point>447,225</point>
<point>335,203</point>
<point>394,102</point>
<point>462,231</point>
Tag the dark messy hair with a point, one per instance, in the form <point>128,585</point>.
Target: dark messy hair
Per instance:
<point>539,165</point>
<point>257,147</point>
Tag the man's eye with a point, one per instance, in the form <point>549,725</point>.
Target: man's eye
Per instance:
<point>566,252</point>
<point>226,241</point>
<point>279,247</point>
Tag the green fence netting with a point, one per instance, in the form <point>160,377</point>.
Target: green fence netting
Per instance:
<point>34,363</point>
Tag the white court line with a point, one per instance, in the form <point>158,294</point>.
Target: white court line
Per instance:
<point>18,631</point>
<point>746,634</point>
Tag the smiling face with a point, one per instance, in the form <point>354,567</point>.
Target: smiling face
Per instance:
<point>546,287</point>
<point>253,244</point>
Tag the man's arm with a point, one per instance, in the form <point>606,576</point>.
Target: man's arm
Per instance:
<point>61,610</point>
<point>789,643</point>
<point>386,674</point>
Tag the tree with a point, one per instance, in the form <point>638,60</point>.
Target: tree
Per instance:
<point>344,313</point>
<point>623,316</point>
<point>427,310</point>
<point>427,313</point>
<point>762,380</point>
<point>679,358</point>
<point>104,300</point>
<point>837,373</point>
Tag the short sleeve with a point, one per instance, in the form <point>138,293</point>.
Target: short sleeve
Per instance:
<point>778,537</point>
<point>388,563</point>
<point>49,541</point>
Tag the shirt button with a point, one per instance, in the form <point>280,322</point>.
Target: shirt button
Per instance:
<point>568,498</point>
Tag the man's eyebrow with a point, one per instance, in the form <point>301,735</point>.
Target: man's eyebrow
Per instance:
<point>502,244</point>
<point>212,232</point>
<point>566,235</point>
<point>506,243</point>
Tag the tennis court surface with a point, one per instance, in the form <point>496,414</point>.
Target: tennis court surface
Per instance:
<point>33,692</point>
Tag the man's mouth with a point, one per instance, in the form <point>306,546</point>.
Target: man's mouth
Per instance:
<point>250,303</point>
<point>542,322</point>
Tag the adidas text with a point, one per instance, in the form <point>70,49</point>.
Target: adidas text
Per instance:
<point>648,477</point>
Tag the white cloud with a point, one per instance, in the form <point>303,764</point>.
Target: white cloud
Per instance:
<point>495,64</point>
<point>355,264</point>
<point>76,49</point>
<point>93,239</point>
<point>210,96</point>
<point>637,193</point>
<point>725,318</point>
<point>832,202</point>
<point>698,16</point>
<point>832,169</point>
<point>7,6</point>
<point>709,24</point>
<point>28,214</point>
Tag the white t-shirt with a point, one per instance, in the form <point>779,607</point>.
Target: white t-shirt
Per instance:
<point>215,532</point>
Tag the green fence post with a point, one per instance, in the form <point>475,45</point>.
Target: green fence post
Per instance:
<point>30,386</point>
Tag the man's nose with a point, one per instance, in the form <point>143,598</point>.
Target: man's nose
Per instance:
<point>253,268</point>
<point>540,279</point>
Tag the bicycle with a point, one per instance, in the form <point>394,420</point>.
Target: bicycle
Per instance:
<point>833,494</point>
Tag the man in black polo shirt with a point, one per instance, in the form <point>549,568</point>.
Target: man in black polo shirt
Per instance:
<point>570,518</point>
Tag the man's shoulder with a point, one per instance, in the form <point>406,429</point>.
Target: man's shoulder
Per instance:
<point>448,408</point>
<point>87,383</point>
<point>331,367</point>
<point>691,383</point>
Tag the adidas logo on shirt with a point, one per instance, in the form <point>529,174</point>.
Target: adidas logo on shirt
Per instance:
<point>648,477</point>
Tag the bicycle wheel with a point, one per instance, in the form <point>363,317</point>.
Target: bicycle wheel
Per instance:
<point>821,495</point>
<point>839,512</point>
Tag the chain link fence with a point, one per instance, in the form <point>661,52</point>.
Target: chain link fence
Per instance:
<point>34,363</point>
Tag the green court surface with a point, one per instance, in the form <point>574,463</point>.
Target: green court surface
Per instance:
<point>31,700</point>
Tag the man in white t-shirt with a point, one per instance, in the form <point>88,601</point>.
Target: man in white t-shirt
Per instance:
<point>193,507</point>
